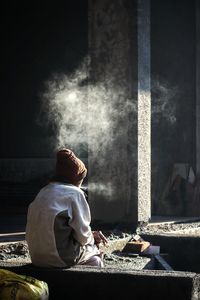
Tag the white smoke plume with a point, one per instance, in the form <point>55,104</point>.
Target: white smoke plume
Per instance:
<point>83,113</point>
<point>101,189</point>
<point>94,117</point>
<point>87,116</point>
<point>163,104</point>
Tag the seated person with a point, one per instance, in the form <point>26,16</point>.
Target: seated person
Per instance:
<point>58,229</point>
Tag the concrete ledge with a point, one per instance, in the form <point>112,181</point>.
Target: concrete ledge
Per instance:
<point>95,283</point>
<point>183,251</point>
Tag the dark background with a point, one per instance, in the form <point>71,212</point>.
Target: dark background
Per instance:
<point>37,40</point>
<point>173,65</point>
<point>41,38</point>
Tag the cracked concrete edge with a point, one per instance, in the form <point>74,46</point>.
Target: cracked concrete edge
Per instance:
<point>146,273</point>
<point>196,288</point>
<point>115,245</point>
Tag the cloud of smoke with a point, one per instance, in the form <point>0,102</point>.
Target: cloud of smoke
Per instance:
<point>87,115</point>
<point>81,112</point>
<point>163,104</point>
<point>101,189</point>
<point>95,117</point>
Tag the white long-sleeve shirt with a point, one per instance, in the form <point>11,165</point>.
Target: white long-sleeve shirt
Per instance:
<point>58,229</point>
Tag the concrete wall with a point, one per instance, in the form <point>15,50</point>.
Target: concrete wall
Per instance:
<point>173,93</point>
<point>173,100</point>
<point>113,54</point>
<point>57,42</point>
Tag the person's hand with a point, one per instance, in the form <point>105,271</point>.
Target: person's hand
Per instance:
<point>99,238</point>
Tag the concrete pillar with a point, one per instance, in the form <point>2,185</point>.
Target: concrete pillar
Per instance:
<point>144,112</point>
<point>112,164</point>
<point>197,87</point>
<point>119,85</point>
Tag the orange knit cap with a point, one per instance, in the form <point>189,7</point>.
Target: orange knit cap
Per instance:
<point>69,166</point>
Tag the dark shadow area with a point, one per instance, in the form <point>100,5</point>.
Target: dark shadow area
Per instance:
<point>37,41</point>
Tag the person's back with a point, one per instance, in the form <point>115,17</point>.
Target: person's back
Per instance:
<point>54,232</point>
<point>58,229</point>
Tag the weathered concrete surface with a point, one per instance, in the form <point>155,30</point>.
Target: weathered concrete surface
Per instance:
<point>114,284</point>
<point>115,245</point>
<point>113,54</point>
<point>144,111</point>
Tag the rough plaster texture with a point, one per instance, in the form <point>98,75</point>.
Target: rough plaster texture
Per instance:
<point>116,167</point>
<point>144,112</point>
<point>113,40</point>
